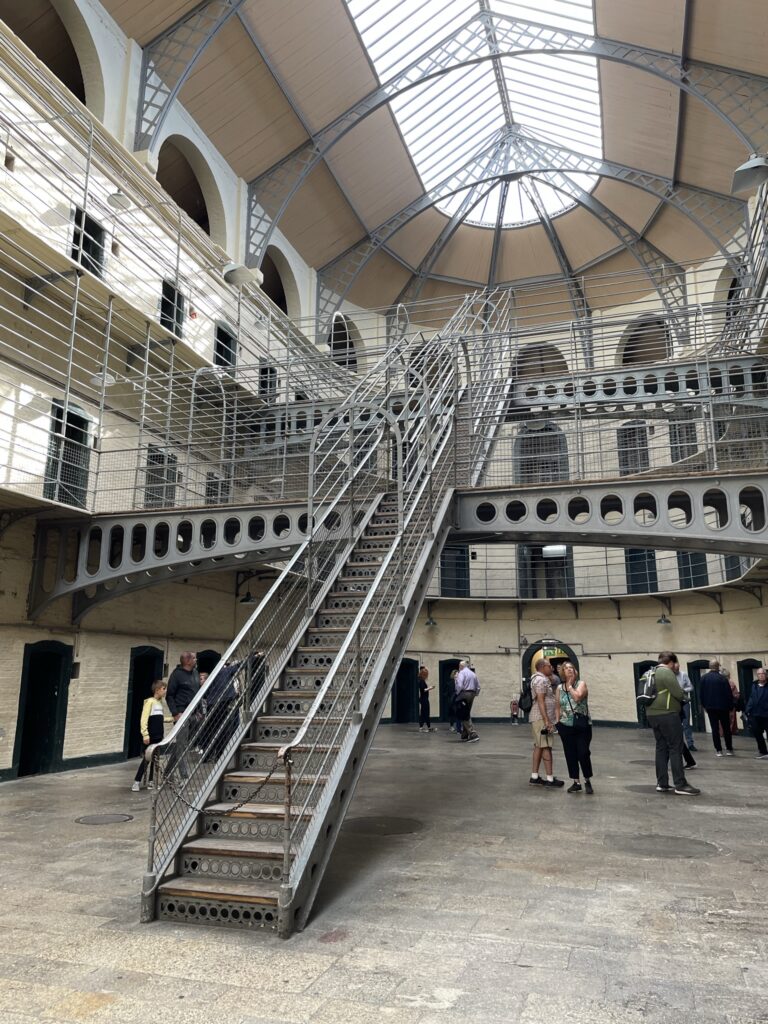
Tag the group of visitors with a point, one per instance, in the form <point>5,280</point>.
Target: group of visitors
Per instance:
<point>559,705</point>
<point>466,690</point>
<point>213,725</point>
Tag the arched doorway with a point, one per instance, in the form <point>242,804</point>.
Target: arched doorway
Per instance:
<point>540,455</point>
<point>273,286</point>
<point>555,651</point>
<point>146,665</point>
<point>746,669</point>
<point>40,27</point>
<point>645,341</point>
<point>540,361</point>
<point>695,670</point>
<point>175,174</point>
<point>639,669</point>
<point>207,660</point>
<point>446,687</point>
<point>342,342</point>
<point>405,692</point>
<point>43,697</point>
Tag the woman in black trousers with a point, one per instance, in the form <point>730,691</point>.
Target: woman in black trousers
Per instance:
<point>574,727</point>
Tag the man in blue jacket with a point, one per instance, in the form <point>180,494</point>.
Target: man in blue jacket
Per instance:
<point>756,713</point>
<point>717,700</point>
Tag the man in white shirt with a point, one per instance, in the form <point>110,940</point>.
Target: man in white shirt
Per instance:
<point>467,688</point>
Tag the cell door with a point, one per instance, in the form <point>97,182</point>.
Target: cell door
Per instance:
<point>640,668</point>
<point>446,688</point>
<point>43,700</point>
<point>69,456</point>
<point>746,674</point>
<point>695,670</point>
<point>146,666</point>
<point>405,692</point>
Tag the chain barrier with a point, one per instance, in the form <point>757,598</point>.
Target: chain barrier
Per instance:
<point>230,810</point>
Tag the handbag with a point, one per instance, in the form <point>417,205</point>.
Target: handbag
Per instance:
<point>580,722</point>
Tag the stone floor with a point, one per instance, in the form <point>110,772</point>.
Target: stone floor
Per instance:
<point>507,904</point>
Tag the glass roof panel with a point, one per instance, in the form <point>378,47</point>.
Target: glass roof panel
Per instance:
<point>454,118</point>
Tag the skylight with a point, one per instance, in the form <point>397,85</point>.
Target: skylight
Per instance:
<point>453,117</point>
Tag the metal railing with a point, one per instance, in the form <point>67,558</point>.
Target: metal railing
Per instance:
<point>434,372</point>
<point>348,475</point>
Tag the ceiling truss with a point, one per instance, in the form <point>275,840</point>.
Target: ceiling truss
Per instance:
<point>735,96</point>
<point>719,217</point>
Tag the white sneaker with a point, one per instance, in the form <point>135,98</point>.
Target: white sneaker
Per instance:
<point>135,787</point>
<point>150,785</point>
<point>718,753</point>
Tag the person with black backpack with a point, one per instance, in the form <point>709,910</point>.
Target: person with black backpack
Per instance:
<point>663,698</point>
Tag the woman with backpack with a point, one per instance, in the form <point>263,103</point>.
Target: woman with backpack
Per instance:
<point>574,726</point>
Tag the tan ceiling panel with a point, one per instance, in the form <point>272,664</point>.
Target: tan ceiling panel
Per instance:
<point>372,165</point>
<point>318,220</point>
<point>615,282</point>
<point>413,242</point>
<point>467,256</point>
<point>633,205</point>
<point>655,23</point>
<point>443,290</point>
<point>523,253</point>
<point>545,304</point>
<point>380,282</point>
<point>583,236</point>
<point>144,20</point>
<point>677,236</point>
<point>733,34</point>
<point>316,53</point>
<point>234,99</point>
<point>709,149</point>
<point>639,118</point>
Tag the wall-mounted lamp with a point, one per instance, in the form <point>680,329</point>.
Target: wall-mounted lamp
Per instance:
<point>430,621</point>
<point>663,620</point>
<point>750,176</point>
<point>103,379</point>
<point>248,598</point>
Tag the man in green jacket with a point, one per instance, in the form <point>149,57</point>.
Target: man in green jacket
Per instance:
<point>664,718</point>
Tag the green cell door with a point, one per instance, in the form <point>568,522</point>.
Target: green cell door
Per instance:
<point>42,715</point>
<point>146,666</point>
<point>405,692</point>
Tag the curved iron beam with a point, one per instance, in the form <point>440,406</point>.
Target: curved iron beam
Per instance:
<point>524,155</point>
<point>737,97</point>
<point>168,61</point>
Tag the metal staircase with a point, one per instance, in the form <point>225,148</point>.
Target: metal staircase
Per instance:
<point>255,781</point>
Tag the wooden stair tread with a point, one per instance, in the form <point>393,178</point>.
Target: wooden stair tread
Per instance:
<point>254,810</point>
<point>301,694</point>
<point>278,745</point>
<point>246,775</point>
<point>239,847</point>
<point>241,890</point>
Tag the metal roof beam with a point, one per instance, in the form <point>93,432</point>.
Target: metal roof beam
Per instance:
<point>581,311</point>
<point>719,217</point>
<point>737,97</point>
<point>167,63</point>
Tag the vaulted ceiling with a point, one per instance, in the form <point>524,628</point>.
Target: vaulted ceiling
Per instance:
<point>277,72</point>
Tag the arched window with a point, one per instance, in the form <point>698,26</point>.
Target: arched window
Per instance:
<point>646,341</point>
<point>540,361</point>
<point>175,174</point>
<point>273,286</point>
<point>44,33</point>
<point>280,282</point>
<point>541,456</point>
<point>342,342</point>
<point>632,446</point>
<point>634,457</point>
